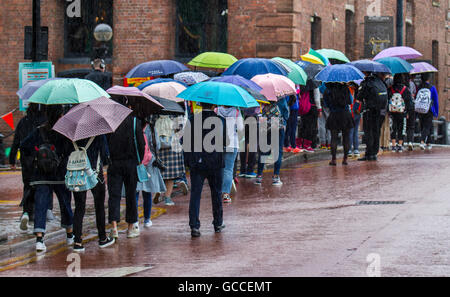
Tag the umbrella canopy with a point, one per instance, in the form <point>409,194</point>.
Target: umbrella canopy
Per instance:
<point>93,118</point>
<point>67,91</point>
<point>143,104</point>
<point>169,107</point>
<point>332,54</point>
<point>312,59</point>
<point>318,55</point>
<point>156,68</point>
<point>403,52</point>
<point>213,60</point>
<point>28,90</point>
<point>370,66</point>
<point>190,77</point>
<point>167,90</point>
<point>296,73</point>
<point>311,70</point>
<point>275,86</point>
<point>250,67</point>
<point>158,81</point>
<point>340,73</point>
<point>219,93</point>
<point>422,67</point>
<point>238,81</point>
<point>396,65</point>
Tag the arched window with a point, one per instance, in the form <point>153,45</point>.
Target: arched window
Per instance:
<point>81,18</point>
<point>316,32</point>
<point>201,26</point>
<point>350,34</point>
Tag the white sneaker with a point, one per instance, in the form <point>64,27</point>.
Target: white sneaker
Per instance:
<point>40,247</point>
<point>114,233</point>
<point>233,187</point>
<point>50,216</point>
<point>410,146</point>
<point>422,146</point>
<point>148,224</point>
<point>24,222</point>
<point>70,240</point>
<point>429,146</point>
<point>134,232</point>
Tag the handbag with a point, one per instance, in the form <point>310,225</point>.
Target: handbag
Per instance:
<point>141,170</point>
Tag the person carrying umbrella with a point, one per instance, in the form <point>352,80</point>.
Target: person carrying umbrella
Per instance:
<point>426,91</point>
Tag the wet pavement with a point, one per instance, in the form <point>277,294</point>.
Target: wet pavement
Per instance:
<point>314,225</point>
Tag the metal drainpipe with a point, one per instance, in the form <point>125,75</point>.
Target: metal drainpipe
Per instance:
<point>36,30</point>
<point>400,22</point>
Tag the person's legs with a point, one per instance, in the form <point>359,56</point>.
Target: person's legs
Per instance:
<point>42,196</point>
<point>230,158</point>
<point>80,207</point>
<point>215,182</point>
<point>278,163</point>
<point>197,180</point>
<point>130,182</point>
<point>64,198</point>
<point>334,143</point>
<point>99,193</point>
<point>115,184</point>
<point>169,190</point>
<point>411,126</point>
<point>147,197</point>
<point>355,138</point>
<point>346,144</point>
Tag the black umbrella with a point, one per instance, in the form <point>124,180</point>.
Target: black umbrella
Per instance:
<point>170,107</point>
<point>312,70</point>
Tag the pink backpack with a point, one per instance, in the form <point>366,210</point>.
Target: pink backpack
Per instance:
<point>305,103</point>
<point>147,153</point>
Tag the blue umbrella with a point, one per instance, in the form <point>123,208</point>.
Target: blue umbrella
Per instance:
<point>28,89</point>
<point>191,77</point>
<point>219,93</point>
<point>340,73</point>
<point>370,66</point>
<point>156,68</point>
<point>238,81</point>
<point>158,81</point>
<point>250,67</point>
<point>397,65</point>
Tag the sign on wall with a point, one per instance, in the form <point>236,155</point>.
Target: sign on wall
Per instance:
<point>33,71</point>
<point>378,34</point>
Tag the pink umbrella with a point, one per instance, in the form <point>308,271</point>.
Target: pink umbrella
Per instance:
<point>139,101</point>
<point>275,86</point>
<point>97,117</point>
<point>403,52</point>
<point>167,90</point>
<point>422,67</point>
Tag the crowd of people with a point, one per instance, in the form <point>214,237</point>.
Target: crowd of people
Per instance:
<point>325,112</point>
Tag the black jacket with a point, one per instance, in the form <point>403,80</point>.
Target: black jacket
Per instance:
<point>373,93</point>
<point>197,158</point>
<point>100,78</point>
<point>121,143</point>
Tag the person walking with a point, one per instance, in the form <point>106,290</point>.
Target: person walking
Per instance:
<point>427,93</point>
<point>337,98</point>
<point>411,116</point>
<point>373,93</point>
<point>207,165</point>
<point>355,109</point>
<point>125,144</point>
<point>235,125</point>
<point>51,153</point>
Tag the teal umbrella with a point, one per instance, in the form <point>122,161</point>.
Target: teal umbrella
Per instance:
<point>67,91</point>
<point>332,54</point>
<point>397,65</point>
<point>219,93</point>
<point>295,72</point>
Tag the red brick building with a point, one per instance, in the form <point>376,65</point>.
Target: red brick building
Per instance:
<point>176,29</point>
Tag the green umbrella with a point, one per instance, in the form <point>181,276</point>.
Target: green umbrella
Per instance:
<point>333,54</point>
<point>321,57</point>
<point>295,72</point>
<point>67,91</point>
<point>213,60</point>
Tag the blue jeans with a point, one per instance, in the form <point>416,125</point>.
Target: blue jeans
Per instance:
<point>277,166</point>
<point>230,159</point>
<point>354,135</point>
<point>291,130</point>
<point>147,197</point>
<point>43,195</point>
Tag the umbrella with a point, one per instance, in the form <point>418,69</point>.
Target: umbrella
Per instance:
<point>370,66</point>
<point>312,70</point>
<point>257,95</point>
<point>156,68</point>
<point>167,90</point>
<point>93,118</point>
<point>332,54</point>
<point>169,107</point>
<point>142,103</point>
<point>219,93</point>
<point>340,73</point>
<point>28,90</point>
<point>250,67</point>
<point>158,81</point>
<point>403,52</point>
<point>312,59</point>
<point>296,73</point>
<point>396,65</point>
<point>190,77</point>
<point>422,67</point>
<point>275,86</point>
<point>67,91</point>
<point>318,55</point>
<point>213,60</point>
<point>238,81</point>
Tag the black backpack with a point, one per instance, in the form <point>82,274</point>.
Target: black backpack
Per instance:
<point>47,160</point>
<point>377,93</point>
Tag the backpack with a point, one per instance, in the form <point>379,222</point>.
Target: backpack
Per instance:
<point>378,94</point>
<point>47,160</point>
<point>397,104</point>
<point>79,176</point>
<point>423,101</point>
<point>164,126</point>
<point>304,103</point>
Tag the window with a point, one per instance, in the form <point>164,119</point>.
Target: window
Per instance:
<point>410,30</point>
<point>410,35</point>
<point>435,60</point>
<point>350,34</point>
<point>202,25</point>
<point>79,39</point>
<point>316,33</point>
